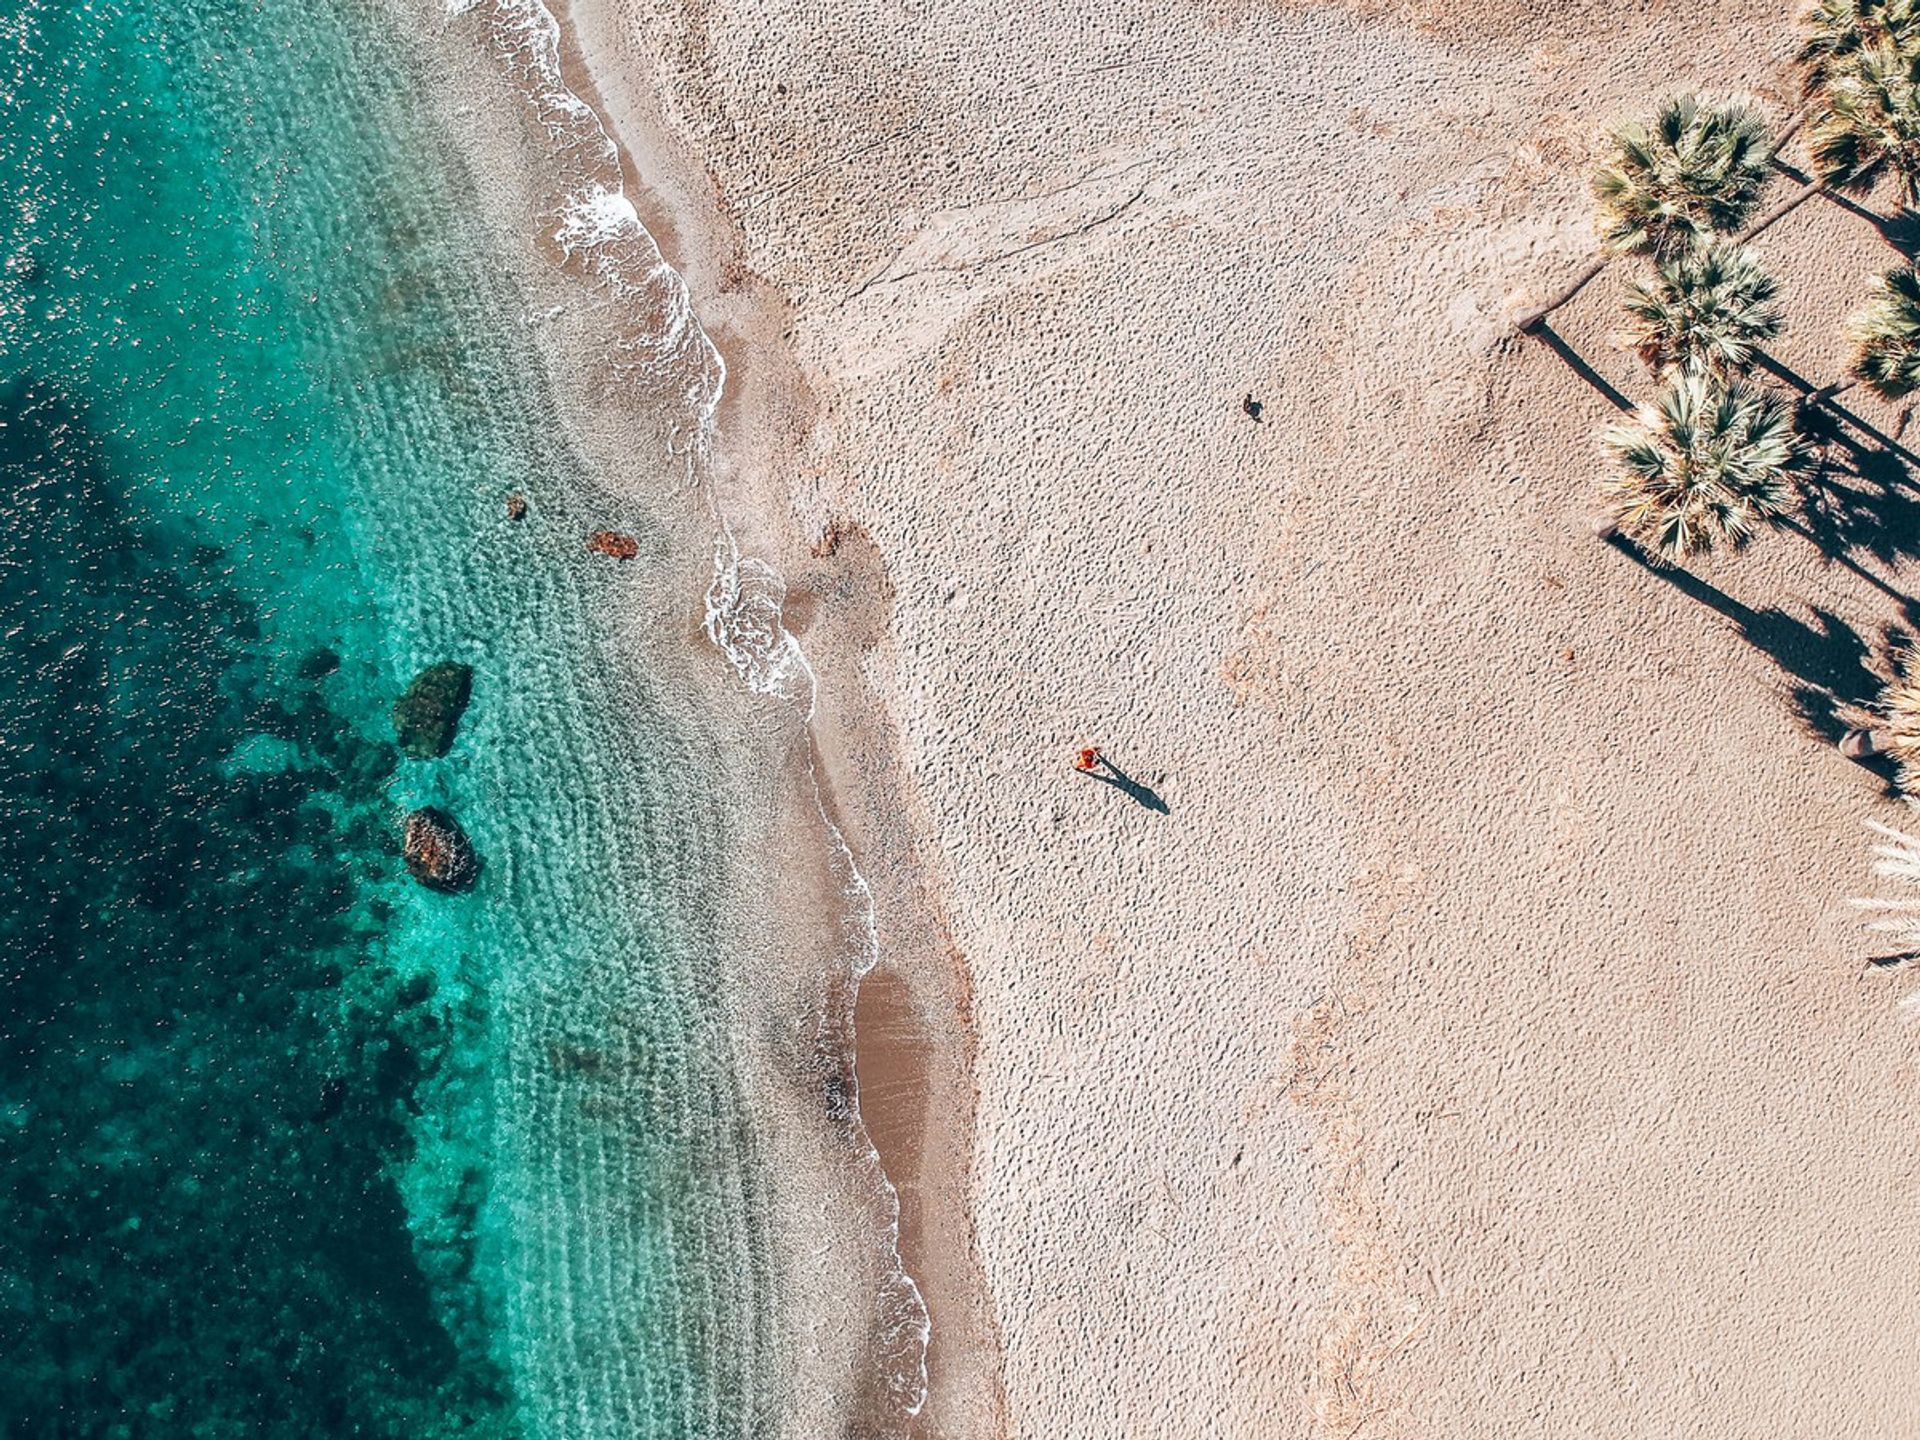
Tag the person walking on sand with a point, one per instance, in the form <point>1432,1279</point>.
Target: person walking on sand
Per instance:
<point>1091,763</point>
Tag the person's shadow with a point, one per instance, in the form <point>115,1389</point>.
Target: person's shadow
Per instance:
<point>1140,794</point>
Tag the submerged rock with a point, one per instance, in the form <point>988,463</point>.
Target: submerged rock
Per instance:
<point>426,716</point>
<point>612,542</point>
<point>438,852</point>
<point>319,664</point>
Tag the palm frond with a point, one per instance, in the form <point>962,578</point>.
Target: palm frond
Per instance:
<point>1707,463</point>
<point>1695,170</point>
<point>1898,858</point>
<point>1900,716</point>
<point>1708,310</point>
<point>1833,32</point>
<point>1886,335</point>
<point>1871,125</point>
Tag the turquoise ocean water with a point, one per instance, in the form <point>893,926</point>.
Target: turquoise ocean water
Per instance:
<point>290,1146</point>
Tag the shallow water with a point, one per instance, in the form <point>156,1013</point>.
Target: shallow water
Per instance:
<point>290,1145</point>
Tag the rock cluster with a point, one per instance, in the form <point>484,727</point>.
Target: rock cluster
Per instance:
<point>426,717</point>
<point>437,851</point>
<point>612,542</point>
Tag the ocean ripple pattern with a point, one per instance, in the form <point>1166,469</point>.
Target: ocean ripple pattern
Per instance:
<point>598,229</point>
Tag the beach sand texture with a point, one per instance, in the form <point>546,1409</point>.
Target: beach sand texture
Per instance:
<point>1479,1044</point>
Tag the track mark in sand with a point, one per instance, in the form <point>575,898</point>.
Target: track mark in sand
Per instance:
<point>774,192</point>
<point>963,266</point>
<point>1369,1316</point>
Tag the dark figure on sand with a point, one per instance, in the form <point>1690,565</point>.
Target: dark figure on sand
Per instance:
<point>1091,763</point>
<point>1253,407</point>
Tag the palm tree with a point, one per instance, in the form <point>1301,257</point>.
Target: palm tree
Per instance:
<point>1870,127</point>
<point>1832,33</point>
<point>1898,733</point>
<point>1896,858</point>
<point>1853,59</point>
<point>1696,171</point>
<point>1706,463</point>
<point>1886,336</point>
<point>1835,31</point>
<point>1705,310</point>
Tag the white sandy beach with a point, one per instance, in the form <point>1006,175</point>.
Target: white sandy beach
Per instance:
<point>1480,1043</point>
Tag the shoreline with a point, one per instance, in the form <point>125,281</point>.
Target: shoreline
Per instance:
<point>909,1059</point>
<point>627,475</point>
<point>740,317</point>
<point>779,932</point>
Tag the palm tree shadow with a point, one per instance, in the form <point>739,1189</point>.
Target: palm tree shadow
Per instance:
<point>1827,662</point>
<point>1546,335</point>
<point>1824,421</point>
<point>1866,506</point>
<point>1901,230</point>
<point>1885,224</point>
<point>1140,794</point>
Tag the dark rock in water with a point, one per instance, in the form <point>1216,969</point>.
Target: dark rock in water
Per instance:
<point>438,852</point>
<point>333,1098</point>
<point>426,716</point>
<point>612,542</point>
<point>363,767</point>
<point>516,507</point>
<point>320,664</point>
